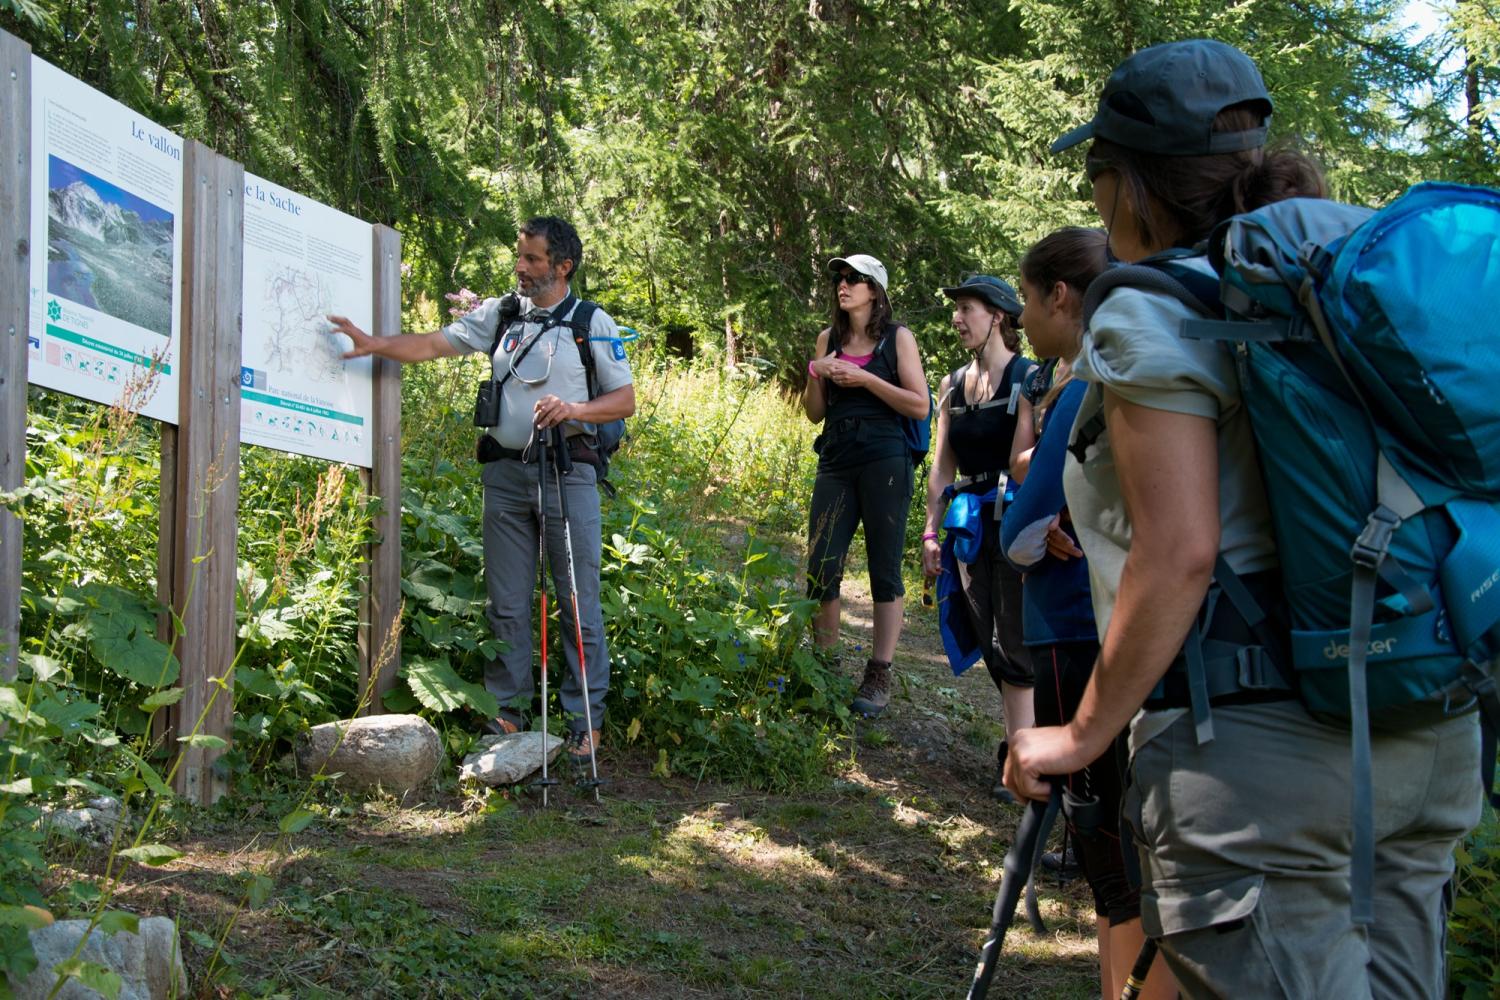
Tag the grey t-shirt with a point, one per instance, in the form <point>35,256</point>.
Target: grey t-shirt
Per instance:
<point>551,365</point>
<point>1133,348</point>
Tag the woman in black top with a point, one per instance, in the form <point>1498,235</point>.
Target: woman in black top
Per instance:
<point>979,408</point>
<point>866,373</point>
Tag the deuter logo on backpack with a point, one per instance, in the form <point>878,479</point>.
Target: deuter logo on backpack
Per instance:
<point>1375,647</point>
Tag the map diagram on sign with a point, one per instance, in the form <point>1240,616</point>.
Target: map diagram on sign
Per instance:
<point>304,260</point>
<point>298,337</point>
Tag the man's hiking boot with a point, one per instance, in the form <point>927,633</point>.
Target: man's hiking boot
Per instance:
<point>577,747</point>
<point>999,792</point>
<point>874,690</point>
<point>501,726</point>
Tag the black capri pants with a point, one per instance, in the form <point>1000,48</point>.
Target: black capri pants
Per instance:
<point>1063,671</point>
<point>875,493</point>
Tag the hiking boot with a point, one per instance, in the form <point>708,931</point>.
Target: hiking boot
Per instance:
<point>501,726</point>
<point>998,791</point>
<point>578,745</point>
<point>874,690</point>
<point>1064,864</point>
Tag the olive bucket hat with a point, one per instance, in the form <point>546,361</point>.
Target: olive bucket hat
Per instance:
<point>998,294</point>
<point>1164,100</point>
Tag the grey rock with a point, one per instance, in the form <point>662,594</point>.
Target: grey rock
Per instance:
<point>146,962</point>
<point>508,760</point>
<point>924,734</point>
<point>395,752</point>
<point>93,822</point>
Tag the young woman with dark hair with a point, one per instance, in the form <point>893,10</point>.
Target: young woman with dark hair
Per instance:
<point>1245,836</point>
<point>866,373</point>
<point>1036,536</point>
<point>979,409</point>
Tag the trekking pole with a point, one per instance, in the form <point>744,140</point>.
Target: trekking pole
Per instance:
<point>1033,906</point>
<point>1016,872</point>
<point>563,462</point>
<point>1136,981</point>
<point>545,781</point>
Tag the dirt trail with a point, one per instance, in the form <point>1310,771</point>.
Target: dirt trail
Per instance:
<point>878,885</point>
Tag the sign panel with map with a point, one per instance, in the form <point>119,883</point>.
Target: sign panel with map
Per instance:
<point>106,200</point>
<point>304,260</point>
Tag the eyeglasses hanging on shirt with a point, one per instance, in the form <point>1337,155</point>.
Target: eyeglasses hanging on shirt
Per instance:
<point>524,351</point>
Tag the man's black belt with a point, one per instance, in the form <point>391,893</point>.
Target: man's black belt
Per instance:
<point>491,450</point>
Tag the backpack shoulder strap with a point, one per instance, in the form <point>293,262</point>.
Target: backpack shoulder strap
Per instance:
<point>580,323</point>
<point>1194,289</point>
<point>1198,291</point>
<point>1017,372</point>
<point>956,389</point>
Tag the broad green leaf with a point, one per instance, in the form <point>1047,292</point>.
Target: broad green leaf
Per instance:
<point>95,977</point>
<point>297,820</point>
<point>21,786</point>
<point>11,706</point>
<point>66,715</point>
<point>154,855</point>
<point>43,668</point>
<point>114,921</point>
<point>147,772</point>
<point>258,890</point>
<point>163,698</point>
<point>438,687</point>
<point>205,740</point>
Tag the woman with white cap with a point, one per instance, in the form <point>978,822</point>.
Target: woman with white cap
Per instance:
<point>1244,828</point>
<point>865,374</point>
<point>979,408</point>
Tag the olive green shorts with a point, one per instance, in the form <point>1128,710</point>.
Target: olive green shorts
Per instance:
<point>1245,846</point>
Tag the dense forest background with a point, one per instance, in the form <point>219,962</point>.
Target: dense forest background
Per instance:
<point>714,153</point>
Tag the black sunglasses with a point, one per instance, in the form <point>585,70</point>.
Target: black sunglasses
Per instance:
<point>1093,167</point>
<point>853,278</point>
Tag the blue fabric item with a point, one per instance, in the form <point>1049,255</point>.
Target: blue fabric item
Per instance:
<point>1055,600</point>
<point>960,642</point>
<point>964,524</point>
<point>969,516</point>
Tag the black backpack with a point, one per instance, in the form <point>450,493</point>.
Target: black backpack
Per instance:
<point>608,436</point>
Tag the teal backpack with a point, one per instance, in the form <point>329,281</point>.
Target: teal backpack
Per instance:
<point>1368,348</point>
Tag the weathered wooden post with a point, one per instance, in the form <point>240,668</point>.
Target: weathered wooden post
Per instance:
<point>15,306</point>
<point>205,481</point>
<point>380,595</point>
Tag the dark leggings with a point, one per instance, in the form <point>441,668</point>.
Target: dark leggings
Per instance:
<point>1063,671</point>
<point>993,599</point>
<point>877,493</point>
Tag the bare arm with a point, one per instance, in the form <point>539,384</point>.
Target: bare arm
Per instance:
<point>1168,470</point>
<point>910,397</point>
<point>404,347</point>
<point>943,472</point>
<point>1024,441</point>
<point>814,396</point>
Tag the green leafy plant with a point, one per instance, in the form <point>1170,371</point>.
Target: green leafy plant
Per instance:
<point>1474,925</point>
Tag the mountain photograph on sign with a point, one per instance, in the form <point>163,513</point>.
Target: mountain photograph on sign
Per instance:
<point>108,249</point>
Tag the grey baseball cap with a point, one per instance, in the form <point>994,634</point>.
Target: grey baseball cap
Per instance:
<point>1164,99</point>
<point>997,293</point>
<point>861,262</point>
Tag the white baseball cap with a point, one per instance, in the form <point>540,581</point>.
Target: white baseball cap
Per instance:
<point>861,262</point>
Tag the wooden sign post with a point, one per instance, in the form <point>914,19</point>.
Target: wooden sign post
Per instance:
<point>206,480</point>
<point>380,597</point>
<point>15,310</point>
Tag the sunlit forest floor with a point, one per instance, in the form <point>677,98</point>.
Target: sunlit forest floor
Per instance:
<point>879,884</point>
